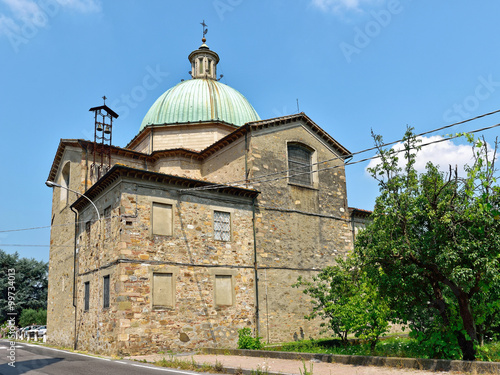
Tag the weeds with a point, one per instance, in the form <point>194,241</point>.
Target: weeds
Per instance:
<point>306,372</point>
<point>260,371</point>
<point>173,362</point>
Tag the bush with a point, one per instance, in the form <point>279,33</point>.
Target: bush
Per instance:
<point>31,316</point>
<point>246,341</point>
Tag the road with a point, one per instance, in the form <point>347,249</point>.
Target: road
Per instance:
<point>37,360</point>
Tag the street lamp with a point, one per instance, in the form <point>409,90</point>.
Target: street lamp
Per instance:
<point>52,184</point>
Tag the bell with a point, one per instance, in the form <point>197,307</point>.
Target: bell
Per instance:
<point>107,130</point>
<point>99,127</point>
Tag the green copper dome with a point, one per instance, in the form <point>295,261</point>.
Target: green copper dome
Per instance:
<point>200,99</point>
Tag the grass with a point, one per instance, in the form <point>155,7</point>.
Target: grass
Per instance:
<point>402,347</point>
<point>173,362</point>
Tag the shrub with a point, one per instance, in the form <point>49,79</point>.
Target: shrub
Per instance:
<point>31,316</point>
<point>246,341</point>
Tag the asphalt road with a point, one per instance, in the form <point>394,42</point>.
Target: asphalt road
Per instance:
<point>36,360</point>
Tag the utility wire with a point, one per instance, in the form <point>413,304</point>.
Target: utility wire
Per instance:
<point>377,156</point>
<point>22,229</point>
<point>57,225</point>
<point>255,180</point>
<point>259,181</point>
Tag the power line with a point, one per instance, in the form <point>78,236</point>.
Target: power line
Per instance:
<point>23,229</point>
<point>56,225</point>
<point>377,156</point>
<point>21,245</point>
<point>259,181</point>
<point>255,180</point>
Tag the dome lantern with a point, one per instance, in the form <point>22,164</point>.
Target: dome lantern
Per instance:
<point>204,62</point>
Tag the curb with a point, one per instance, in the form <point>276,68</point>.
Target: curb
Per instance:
<point>358,360</point>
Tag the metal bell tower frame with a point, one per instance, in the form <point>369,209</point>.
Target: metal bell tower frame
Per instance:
<point>103,131</point>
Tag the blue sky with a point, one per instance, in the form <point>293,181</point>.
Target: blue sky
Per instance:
<point>354,65</point>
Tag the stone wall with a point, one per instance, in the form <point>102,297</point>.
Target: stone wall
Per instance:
<point>132,254</point>
<point>60,310</point>
<point>300,229</point>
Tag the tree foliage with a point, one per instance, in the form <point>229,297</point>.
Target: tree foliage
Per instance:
<point>433,247</point>
<point>347,301</point>
<point>31,316</point>
<point>30,284</point>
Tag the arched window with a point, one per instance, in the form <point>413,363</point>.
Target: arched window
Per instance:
<point>299,164</point>
<point>65,175</point>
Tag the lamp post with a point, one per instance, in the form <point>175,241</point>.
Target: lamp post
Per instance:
<point>52,184</point>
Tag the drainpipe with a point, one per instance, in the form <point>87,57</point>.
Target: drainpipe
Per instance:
<point>256,274</point>
<point>75,295</point>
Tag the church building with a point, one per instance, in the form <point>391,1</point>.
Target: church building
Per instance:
<point>195,229</point>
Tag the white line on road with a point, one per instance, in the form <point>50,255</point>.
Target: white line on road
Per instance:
<point>8,347</point>
<point>164,369</point>
<point>107,359</point>
<point>67,352</point>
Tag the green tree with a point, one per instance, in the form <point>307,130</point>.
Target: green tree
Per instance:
<point>433,247</point>
<point>30,284</point>
<point>31,316</point>
<point>346,299</point>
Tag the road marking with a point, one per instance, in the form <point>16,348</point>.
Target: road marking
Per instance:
<point>67,352</point>
<point>8,347</point>
<point>107,359</point>
<point>164,369</point>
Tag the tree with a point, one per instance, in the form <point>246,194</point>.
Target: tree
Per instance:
<point>433,246</point>
<point>30,316</point>
<point>345,298</point>
<point>30,284</point>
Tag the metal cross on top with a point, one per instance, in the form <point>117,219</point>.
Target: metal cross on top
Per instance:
<point>205,30</point>
<point>104,98</point>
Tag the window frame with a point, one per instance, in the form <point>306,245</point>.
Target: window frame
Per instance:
<point>106,291</point>
<point>162,202</point>
<point>86,296</point>
<point>65,181</point>
<point>173,271</point>
<point>224,272</point>
<point>222,231</point>
<point>294,163</point>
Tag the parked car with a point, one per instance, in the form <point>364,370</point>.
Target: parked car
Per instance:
<point>30,331</point>
<point>24,331</point>
<point>42,330</point>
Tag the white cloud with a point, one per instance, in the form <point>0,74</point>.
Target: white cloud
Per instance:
<point>36,14</point>
<point>22,9</point>
<point>444,154</point>
<point>338,6</point>
<point>81,5</point>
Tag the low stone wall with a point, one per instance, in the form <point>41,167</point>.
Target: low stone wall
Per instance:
<point>359,360</point>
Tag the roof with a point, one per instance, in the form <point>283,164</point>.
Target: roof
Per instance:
<point>123,171</point>
<point>199,100</point>
<point>359,212</point>
<point>261,124</point>
<point>210,150</point>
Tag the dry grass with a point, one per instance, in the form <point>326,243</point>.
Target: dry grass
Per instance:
<point>173,362</point>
